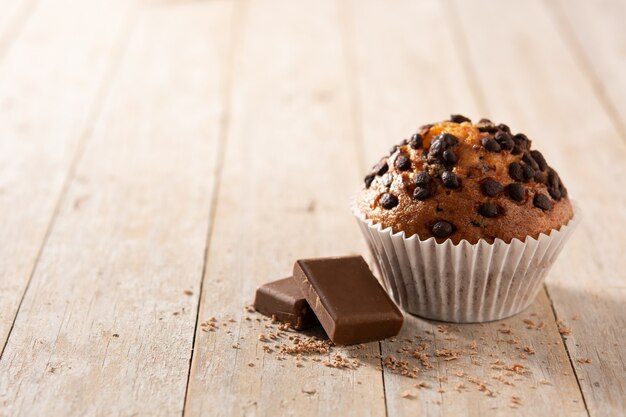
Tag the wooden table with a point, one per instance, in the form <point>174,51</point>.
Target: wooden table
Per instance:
<point>160,159</point>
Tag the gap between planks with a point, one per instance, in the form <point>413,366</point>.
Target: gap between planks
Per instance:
<point>348,44</point>
<point>102,91</point>
<point>564,27</point>
<point>236,38</point>
<point>571,359</point>
<point>461,44</point>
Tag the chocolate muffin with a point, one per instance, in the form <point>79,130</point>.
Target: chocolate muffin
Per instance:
<point>463,181</point>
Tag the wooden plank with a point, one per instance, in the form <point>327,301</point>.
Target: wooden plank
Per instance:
<point>289,171</point>
<point>417,82</point>
<point>47,101</point>
<point>531,79</point>
<point>596,34</point>
<point>106,326</point>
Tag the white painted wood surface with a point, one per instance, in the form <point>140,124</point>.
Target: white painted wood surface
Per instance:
<point>106,320</point>
<point>549,94</point>
<point>387,51</point>
<point>291,111</point>
<point>161,159</point>
<point>51,82</point>
<point>596,36</point>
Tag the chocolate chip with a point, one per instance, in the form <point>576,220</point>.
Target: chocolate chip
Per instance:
<point>528,158</point>
<point>522,143</point>
<point>502,135</point>
<point>450,179</point>
<point>450,157</point>
<point>516,172</point>
<point>437,147</point>
<point>449,139</point>
<point>424,129</point>
<point>553,178</point>
<point>516,191</point>
<point>504,128</point>
<point>555,193</point>
<point>368,180</point>
<point>388,201</point>
<point>491,145</point>
<point>488,210</point>
<point>491,187</point>
<point>542,201</point>
<point>457,118</point>
<point>423,178</point>
<point>507,144</point>
<point>540,177</point>
<point>541,161</point>
<point>442,229</point>
<point>527,172</point>
<point>381,169</point>
<point>421,193</point>
<point>505,140</point>
<point>403,163</point>
<point>521,138</point>
<point>486,125</point>
<point>416,141</point>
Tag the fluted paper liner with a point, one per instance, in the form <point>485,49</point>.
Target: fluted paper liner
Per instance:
<point>463,283</point>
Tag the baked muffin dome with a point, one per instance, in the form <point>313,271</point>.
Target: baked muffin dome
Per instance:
<point>463,181</point>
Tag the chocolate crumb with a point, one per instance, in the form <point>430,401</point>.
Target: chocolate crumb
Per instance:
<point>407,394</point>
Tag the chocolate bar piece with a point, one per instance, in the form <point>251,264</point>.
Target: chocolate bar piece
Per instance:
<point>283,299</point>
<point>347,299</point>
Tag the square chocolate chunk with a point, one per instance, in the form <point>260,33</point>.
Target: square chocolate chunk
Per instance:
<point>347,299</point>
<point>284,300</point>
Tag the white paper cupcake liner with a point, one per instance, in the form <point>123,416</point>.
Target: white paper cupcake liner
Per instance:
<point>463,283</point>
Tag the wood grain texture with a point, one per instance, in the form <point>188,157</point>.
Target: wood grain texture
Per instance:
<point>389,52</point>
<point>47,101</point>
<point>14,15</point>
<point>289,171</point>
<point>543,91</point>
<point>106,327</point>
<point>160,159</point>
<point>596,35</point>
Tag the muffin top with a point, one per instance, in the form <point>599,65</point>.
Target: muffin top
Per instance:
<point>463,181</point>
